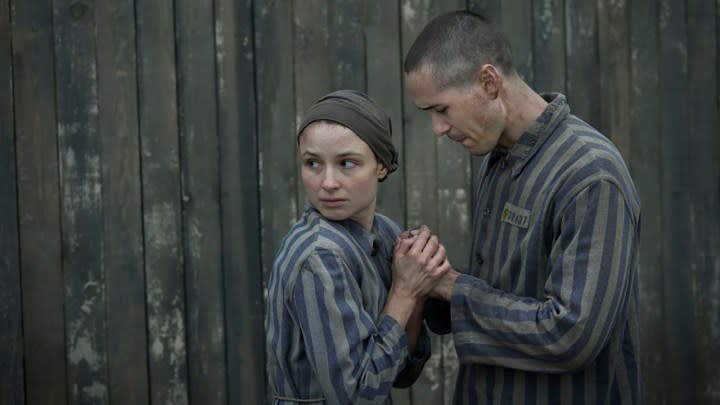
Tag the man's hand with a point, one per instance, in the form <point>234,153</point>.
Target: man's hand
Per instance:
<point>444,287</point>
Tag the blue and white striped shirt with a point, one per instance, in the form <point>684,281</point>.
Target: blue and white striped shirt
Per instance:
<point>548,312</point>
<point>327,339</point>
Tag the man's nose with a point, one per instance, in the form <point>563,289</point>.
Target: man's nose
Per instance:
<point>439,125</point>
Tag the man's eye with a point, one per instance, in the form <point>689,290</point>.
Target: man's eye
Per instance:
<point>441,110</point>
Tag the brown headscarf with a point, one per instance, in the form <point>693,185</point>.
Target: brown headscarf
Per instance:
<point>358,112</point>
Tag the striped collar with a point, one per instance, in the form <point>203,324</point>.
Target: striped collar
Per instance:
<point>534,137</point>
<point>369,241</point>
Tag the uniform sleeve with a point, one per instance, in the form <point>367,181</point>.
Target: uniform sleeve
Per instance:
<point>415,362</point>
<point>355,357</point>
<point>437,316</point>
<point>586,293</point>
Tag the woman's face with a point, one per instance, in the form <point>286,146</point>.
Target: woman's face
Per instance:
<point>339,172</point>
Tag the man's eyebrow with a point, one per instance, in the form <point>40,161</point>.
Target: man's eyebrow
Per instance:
<point>430,107</point>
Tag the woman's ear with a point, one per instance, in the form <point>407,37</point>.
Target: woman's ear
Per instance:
<point>382,172</point>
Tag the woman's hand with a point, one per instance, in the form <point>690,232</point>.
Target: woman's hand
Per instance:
<point>419,262</point>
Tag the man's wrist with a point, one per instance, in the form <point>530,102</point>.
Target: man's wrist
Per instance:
<point>446,285</point>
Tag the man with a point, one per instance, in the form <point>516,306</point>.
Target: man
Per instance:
<point>548,309</point>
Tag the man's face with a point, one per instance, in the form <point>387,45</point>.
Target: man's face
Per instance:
<point>340,172</point>
<point>467,114</point>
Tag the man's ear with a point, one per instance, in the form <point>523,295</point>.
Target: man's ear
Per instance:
<point>490,80</point>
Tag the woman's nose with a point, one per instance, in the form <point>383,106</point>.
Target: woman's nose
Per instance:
<point>330,180</point>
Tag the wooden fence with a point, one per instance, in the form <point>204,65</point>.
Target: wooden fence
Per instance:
<point>149,173</point>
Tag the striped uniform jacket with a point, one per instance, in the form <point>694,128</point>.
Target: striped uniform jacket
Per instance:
<point>548,312</point>
<point>327,341</point>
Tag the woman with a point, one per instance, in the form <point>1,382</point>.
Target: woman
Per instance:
<point>344,322</point>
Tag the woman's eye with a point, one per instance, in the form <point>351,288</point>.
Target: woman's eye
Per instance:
<point>348,164</point>
<point>312,163</point>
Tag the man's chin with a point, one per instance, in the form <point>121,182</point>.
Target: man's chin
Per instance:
<point>469,145</point>
<point>477,150</point>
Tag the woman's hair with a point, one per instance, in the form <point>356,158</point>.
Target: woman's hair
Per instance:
<point>358,112</point>
<point>456,45</point>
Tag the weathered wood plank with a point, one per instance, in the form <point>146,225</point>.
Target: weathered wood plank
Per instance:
<point>492,9</point>
<point>277,157</point>
<point>704,192</point>
<point>239,187</point>
<point>516,21</point>
<point>454,197</point>
<point>614,73</point>
<point>680,324</point>
<point>421,185</point>
<point>276,127</point>
<point>11,338</point>
<point>122,203</point>
<point>164,271</point>
<point>549,45</point>
<point>38,202</point>
<point>311,65</point>
<point>346,45</point>
<point>454,219</point>
<point>311,54</point>
<point>197,106</point>
<point>645,149</point>
<point>81,201</point>
<point>583,73</point>
<point>385,86</point>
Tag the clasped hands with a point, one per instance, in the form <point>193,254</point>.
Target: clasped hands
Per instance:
<point>421,267</point>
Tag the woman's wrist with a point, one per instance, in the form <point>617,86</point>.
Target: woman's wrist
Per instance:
<point>400,305</point>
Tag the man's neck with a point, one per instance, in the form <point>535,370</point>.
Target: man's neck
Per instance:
<point>524,106</point>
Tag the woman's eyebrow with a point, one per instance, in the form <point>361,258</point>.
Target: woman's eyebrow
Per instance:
<point>309,153</point>
<point>349,154</point>
<point>340,155</point>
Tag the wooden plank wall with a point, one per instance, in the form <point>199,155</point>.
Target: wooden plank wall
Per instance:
<point>152,174</point>
<point>11,339</point>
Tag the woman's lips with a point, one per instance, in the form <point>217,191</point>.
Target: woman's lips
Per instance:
<point>332,202</point>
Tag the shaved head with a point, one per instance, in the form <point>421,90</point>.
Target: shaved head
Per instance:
<point>455,45</point>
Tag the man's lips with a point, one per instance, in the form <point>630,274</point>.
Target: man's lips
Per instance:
<point>456,137</point>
